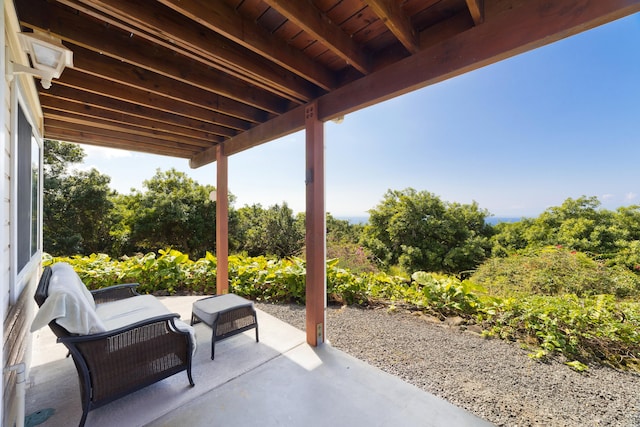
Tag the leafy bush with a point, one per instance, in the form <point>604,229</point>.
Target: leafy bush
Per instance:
<point>591,329</point>
<point>554,271</point>
<point>351,256</point>
<point>583,329</point>
<point>444,295</point>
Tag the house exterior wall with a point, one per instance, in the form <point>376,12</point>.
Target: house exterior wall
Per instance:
<point>16,285</point>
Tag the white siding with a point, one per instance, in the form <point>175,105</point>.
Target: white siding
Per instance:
<point>5,161</point>
<point>5,191</point>
<point>16,287</point>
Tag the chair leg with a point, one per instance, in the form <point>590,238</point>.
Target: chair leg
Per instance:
<point>85,412</point>
<point>191,383</point>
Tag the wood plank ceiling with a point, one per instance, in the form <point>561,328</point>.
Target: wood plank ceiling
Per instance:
<point>178,77</point>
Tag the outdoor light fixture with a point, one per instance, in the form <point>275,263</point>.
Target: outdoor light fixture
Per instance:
<point>48,56</point>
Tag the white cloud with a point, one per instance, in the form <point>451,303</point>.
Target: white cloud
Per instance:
<point>607,197</point>
<point>630,196</point>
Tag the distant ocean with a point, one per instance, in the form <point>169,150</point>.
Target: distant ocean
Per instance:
<point>354,219</point>
<point>493,220</point>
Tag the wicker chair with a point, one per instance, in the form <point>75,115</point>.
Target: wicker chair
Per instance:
<point>115,363</point>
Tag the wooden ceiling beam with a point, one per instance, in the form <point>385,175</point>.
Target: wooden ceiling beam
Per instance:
<point>313,21</point>
<point>220,17</point>
<point>282,125</point>
<point>116,140</point>
<point>228,112</point>
<point>85,32</point>
<point>75,121</point>
<point>476,8</point>
<point>124,134</point>
<point>80,137</point>
<point>58,107</point>
<point>158,24</point>
<point>92,84</point>
<point>58,95</point>
<point>514,31</point>
<point>398,23</point>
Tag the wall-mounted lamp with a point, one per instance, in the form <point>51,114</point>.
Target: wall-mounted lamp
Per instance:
<point>48,56</point>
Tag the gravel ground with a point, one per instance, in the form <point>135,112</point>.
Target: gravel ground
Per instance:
<point>495,380</point>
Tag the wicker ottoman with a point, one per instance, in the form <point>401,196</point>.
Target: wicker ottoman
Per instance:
<point>226,315</point>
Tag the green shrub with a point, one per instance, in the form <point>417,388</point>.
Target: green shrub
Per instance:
<point>351,256</point>
<point>554,271</point>
<point>590,329</point>
<point>444,295</point>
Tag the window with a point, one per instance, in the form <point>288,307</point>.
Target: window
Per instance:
<point>28,181</point>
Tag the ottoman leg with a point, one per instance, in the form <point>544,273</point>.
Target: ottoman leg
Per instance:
<point>213,344</point>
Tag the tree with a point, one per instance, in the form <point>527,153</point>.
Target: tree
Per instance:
<point>272,231</point>
<point>577,224</point>
<point>76,208</point>
<point>174,211</point>
<point>419,231</point>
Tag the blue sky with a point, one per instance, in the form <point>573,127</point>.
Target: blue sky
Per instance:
<point>517,137</point>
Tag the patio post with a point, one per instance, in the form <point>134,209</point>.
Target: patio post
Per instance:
<point>222,221</point>
<point>316,283</point>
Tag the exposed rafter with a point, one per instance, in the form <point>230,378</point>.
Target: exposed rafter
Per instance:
<point>180,77</point>
<point>314,22</point>
<point>512,32</point>
<point>139,52</point>
<point>221,18</point>
<point>144,18</point>
<point>396,20</point>
<point>476,8</point>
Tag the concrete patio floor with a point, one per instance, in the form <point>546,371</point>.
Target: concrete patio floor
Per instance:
<point>280,381</point>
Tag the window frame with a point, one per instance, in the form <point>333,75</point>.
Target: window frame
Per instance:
<point>21,273</point>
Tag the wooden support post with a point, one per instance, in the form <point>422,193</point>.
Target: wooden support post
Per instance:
<point>222,222</point>
<point>316,284</point>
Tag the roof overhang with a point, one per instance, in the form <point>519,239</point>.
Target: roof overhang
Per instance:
<point>180,77</point>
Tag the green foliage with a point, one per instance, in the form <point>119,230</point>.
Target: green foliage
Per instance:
<point>591,329</point>
<point>554,271</point>
<point>420,232</point>
<point>352,256</point>
<point>174,211</point>
<point>587,330</point>
<point>272,231</point>
<point>444,295</point>
<point>578,225</point>
<point>76,203</point>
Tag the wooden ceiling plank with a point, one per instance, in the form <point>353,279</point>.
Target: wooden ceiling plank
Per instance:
<point>90,83</point>
<point>75,120</point>
<point>79,30</point>
<point>61,106</point>
<point>124,73</point>
<point>79,137</point>
<point>124,134</point>
<point>395,19</point>
<point>227,111</point>
<point>518,29</point>
<point>221,18</point>
<point>476,8</point>
<point>61,94</point>
<point>158,24</point>
<point>313,21</point>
